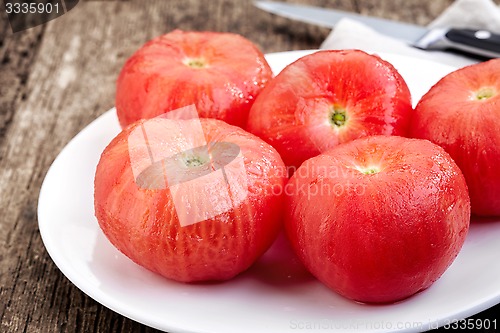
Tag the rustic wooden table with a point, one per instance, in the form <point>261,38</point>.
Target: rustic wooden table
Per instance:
<point>57,78</point>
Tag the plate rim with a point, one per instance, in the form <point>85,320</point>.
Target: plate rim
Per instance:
<point>109,301</point>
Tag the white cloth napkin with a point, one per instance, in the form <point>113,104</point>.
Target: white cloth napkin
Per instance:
<point>475,14</point>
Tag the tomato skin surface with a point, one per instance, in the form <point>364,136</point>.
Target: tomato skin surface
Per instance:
<point>294,111</point>
<point>460,113</point>
<point>221,73</point>
<point>144,223</point>
<point>378,219</point>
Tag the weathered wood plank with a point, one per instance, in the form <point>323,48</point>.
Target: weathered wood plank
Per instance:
<point>412,11</point>
<point>17,52</point>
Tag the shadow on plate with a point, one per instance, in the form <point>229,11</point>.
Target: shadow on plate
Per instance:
<point>280,266</point>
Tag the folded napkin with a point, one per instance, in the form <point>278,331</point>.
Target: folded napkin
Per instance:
<point>475,14</point>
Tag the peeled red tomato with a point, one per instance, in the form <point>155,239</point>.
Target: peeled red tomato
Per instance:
<point>378,219</point>
<point>327,98</point>
<point>188,202</point>
<point>220,73</point>
<point>461,114</point>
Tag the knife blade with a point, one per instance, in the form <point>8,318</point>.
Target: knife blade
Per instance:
<point>482,43</point>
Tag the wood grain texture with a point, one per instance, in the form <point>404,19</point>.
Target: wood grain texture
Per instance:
<point>57,78</point>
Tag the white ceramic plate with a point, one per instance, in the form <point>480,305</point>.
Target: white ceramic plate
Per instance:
<point>276,294</point>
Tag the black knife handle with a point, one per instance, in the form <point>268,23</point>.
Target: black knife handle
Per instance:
<point>481,42</point>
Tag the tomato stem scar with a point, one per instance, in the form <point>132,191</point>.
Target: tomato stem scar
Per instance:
<point>338,116</point>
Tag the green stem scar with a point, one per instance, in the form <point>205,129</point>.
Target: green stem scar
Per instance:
<point>369,170</point>
<point>193,161</point>
<point>484,93</point>
<point>338,116</point>
<point>195,62</point>
<point>195,157</point>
